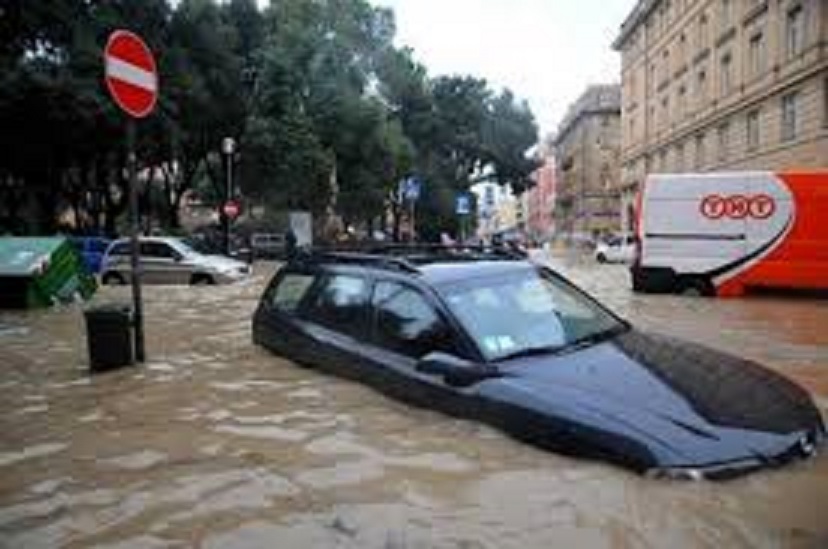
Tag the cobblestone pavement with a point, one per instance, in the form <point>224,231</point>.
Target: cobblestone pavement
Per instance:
<point>216,443</point>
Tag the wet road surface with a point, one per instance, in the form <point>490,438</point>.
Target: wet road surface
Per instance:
<point>217,443</point>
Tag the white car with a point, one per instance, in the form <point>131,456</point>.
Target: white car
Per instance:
<point>169,261</point>
<point>619,249</point>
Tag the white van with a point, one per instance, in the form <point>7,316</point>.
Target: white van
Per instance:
<point>723,233</point>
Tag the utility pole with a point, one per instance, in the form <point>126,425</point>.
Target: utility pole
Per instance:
<point>228,147</point>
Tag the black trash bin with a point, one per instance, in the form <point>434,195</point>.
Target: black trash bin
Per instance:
<point>109,335</point>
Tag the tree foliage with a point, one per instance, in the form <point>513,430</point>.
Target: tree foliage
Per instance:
<point>328,112</point>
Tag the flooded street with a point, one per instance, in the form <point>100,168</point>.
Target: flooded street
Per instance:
<point>217,443</point>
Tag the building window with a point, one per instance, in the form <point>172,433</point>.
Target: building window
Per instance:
<point>789,118</point>
<point>703,31</point>
<point>723,132</point>
<point>726,13</point>
<point>701,86</point>
<point>679,164</point>
<point>681,102</point>
<point>794,30</point>
<point>825,102</point>
<point>700,151</point>
<point>726,76</point>
<point>665,59</point>
<point>752,130</point>
<point>756,54</point>
<point>682,50</point>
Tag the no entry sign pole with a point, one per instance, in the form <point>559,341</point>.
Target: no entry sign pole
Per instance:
<point>132,79</point>
<point>137,302</point>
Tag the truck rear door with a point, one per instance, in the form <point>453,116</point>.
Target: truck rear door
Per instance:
<point>694,223</point>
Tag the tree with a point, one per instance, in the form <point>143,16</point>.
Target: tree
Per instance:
<point>328,113</point>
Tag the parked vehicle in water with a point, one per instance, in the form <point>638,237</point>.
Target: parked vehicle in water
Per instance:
<point>268,245</point>
<point>91,250</point>
<point>725,233</point>
<point>169,261</point>
<point>616,249</point>
<point>485,334</point>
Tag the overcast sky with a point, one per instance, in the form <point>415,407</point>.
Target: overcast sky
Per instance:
<point>545,51</point>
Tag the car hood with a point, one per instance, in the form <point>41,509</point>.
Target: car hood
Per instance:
<point>690,405</point>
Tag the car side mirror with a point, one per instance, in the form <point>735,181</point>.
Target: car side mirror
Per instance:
<point>455,370</point>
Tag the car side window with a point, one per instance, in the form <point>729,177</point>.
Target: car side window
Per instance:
<point>406,323</point>
<point>289,292</point>
<point>157,250</point>
<point>339,303</point>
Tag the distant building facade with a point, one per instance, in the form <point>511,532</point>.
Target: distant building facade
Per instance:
<point>540,199</point>
<point>711,85</point>
<point>499,211</point>
<point>588,170</point>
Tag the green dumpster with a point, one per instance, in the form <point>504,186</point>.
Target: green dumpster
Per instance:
<point>39,272</point>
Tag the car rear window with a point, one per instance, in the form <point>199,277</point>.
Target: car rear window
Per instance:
<point>339,303</point>
<point>290,291</point>
<point>121,248</point>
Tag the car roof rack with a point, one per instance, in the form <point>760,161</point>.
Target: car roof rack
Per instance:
<point>403,256</point>
<point>348,257</point>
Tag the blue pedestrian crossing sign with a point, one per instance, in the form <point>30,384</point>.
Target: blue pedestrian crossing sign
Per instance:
<point>410,188</point>
<point>463,204</point>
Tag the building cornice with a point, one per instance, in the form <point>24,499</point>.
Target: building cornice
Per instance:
<point>639,13</point>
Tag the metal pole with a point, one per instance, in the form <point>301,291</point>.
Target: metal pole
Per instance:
<point>138,314</point>
<point>224,217</point>
<point>413,224</point>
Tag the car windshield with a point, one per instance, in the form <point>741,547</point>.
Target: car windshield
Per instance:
<point>528,312</point>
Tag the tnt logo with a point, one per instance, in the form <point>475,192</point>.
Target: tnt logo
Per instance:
<point>737,206</point>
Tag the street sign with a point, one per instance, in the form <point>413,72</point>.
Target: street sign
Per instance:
<point>231,209</point>
<point>130,73</point>
<point>411,188</point>
<point>463,205</point>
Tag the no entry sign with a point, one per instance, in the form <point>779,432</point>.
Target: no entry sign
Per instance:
<point>131,75</point>
<point>231,209</point>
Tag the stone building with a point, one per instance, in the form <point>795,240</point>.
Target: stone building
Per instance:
<point>540,199</point>
<point>712,85</point>
<point>588,152</point>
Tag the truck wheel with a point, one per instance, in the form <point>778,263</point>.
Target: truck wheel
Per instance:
<point>113,279</point>
<point>202,280</point>
<point>696,286</point>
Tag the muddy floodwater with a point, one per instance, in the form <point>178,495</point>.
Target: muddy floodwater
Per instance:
<point>216,443</point>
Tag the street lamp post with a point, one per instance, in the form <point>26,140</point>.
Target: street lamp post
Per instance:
<point>228,148</point>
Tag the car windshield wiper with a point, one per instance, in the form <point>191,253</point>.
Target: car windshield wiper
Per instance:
<point>580,343</point>
<point>533,351</point>
<point>597,337</point>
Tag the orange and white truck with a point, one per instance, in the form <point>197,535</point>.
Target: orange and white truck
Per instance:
<point>726,233</point>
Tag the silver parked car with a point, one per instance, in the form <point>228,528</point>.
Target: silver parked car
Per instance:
<point>169,261</point>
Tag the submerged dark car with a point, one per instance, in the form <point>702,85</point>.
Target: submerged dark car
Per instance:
<point>490,336</point>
